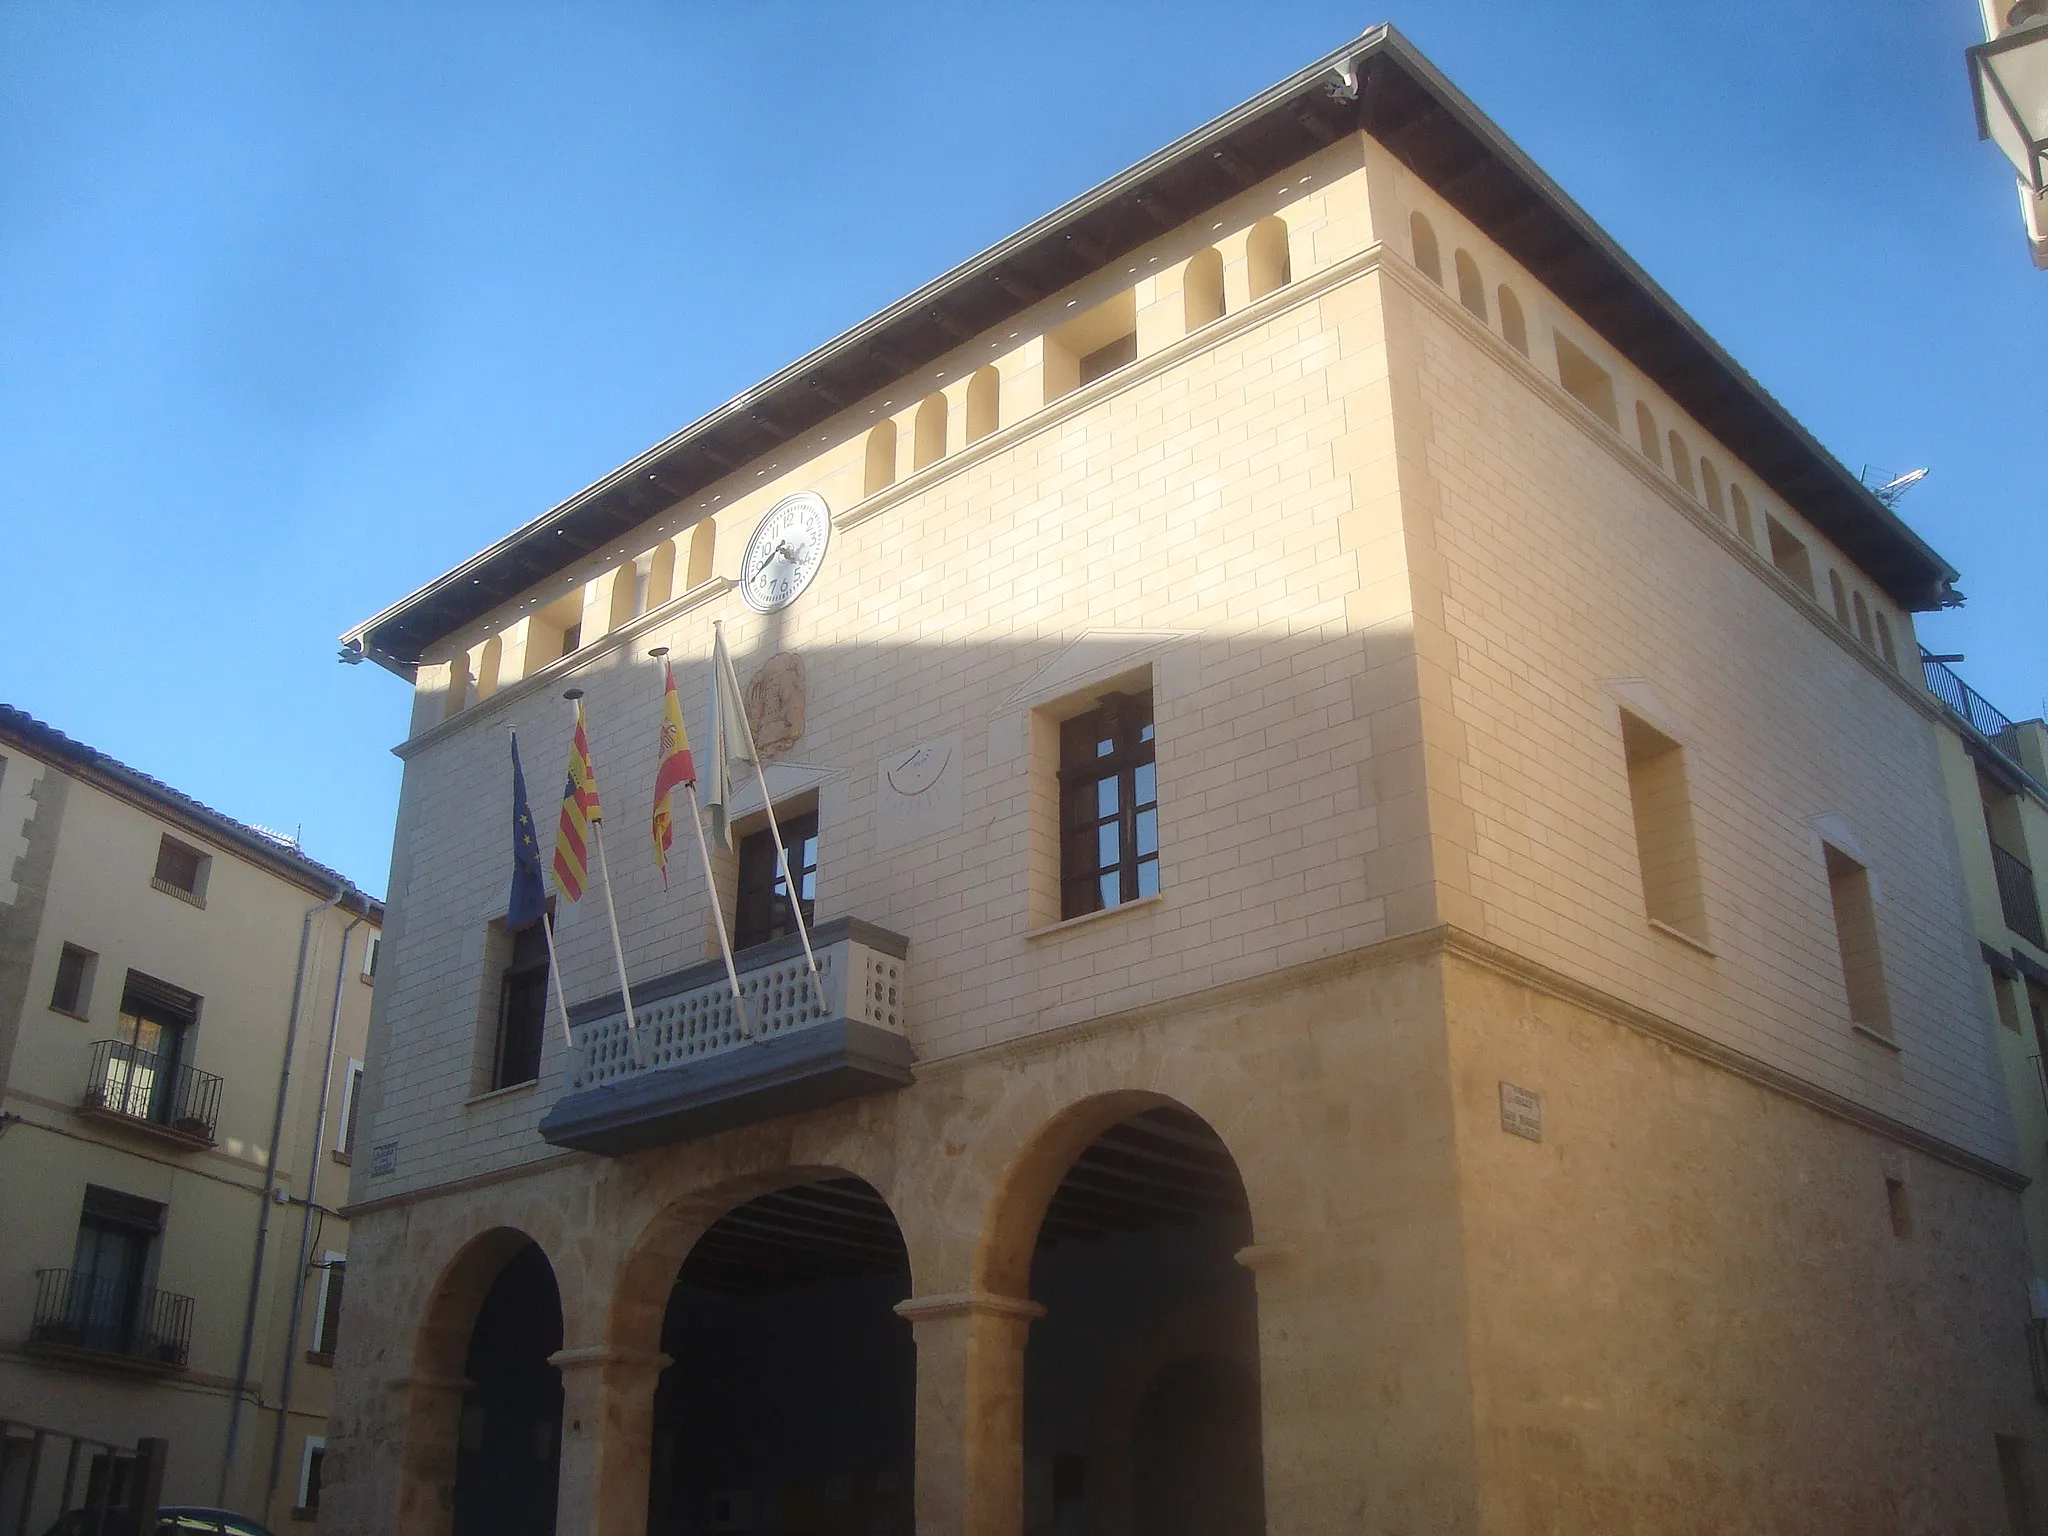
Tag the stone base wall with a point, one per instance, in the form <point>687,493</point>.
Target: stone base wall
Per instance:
<point>1683,1308</point>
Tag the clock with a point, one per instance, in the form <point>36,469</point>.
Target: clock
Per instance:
<point>785,552</point>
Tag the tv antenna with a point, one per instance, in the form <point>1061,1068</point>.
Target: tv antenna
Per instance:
<point>1892,489</point>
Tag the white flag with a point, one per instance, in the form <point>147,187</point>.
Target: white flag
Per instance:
<point>732,741</point>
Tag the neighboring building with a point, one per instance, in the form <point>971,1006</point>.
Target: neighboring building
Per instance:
<point>1391,961</point>
<point>1997,773</point>
<point>2017,136</point>
<point>148,948</point>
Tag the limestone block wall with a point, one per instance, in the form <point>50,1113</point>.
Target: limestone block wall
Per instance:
<point>1182,520</point>
<point>1573,581</point>
<point>1691,1307</point>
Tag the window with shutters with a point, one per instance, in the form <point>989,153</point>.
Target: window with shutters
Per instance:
<point>327,1310</point>
<point>1109,806</point>
<point>181,870</point>
<point>351,1107</point>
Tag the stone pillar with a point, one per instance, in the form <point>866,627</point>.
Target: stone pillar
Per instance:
<point>607,1439</point>
<point>970,1411</point>
<point>429,1414</point>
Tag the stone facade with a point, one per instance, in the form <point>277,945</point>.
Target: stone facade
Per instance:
<point>1374,539</point>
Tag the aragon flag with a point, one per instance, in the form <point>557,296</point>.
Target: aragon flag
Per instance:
<point>675,767</point>
<point>529,899</point>
<point>579,810</point>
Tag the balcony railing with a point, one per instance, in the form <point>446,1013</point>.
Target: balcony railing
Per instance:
<point>2018,898</point>
<point>1976,711</point>
<point>152,1090</point>
<point>702,1062</point>
<point>75,1310</point>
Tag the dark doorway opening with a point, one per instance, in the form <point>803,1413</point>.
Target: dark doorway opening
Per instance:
<point>1141,1396</point>
<point>790,1407</point>
<point>509,1439</point>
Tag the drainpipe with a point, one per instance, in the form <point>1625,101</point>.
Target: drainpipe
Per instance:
<point>284,1077</point>
<point>291,1347</point>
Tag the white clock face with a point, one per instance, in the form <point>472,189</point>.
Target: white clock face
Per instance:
<point>785,552</point>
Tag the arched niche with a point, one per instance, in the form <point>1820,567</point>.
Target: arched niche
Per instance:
<point>984,403</point>
<point>703,550</point>
<point>928,431</point>
<point>1422,243</point>
<point>1268,266</point>
<point>1512,326</point>
<point>1471,290</point>
<point>1202,289</point>
<point>879,472</point>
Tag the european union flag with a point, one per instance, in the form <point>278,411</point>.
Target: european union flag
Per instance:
<point>529,897</point>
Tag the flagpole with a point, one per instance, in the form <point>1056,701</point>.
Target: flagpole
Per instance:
<point>611,911</point>
<point>796,902</point>
<point>547,926</point>
<point>732,975</point>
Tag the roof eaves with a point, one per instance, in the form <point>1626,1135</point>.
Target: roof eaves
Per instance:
<point>46,742</point>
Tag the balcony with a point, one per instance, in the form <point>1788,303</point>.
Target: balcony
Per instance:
<point>701,1067</point>
<point>148,1091</point>
<point>99,1317</point>
<point>2017,896</point>
<point>1968,704</point>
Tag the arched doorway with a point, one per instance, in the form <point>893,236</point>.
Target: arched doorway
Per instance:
<point>1141,1399</point>
<point>509,1436</point>
<point>790,1406</point>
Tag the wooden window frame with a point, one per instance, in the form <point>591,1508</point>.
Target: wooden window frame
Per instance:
<point>1114,744</point>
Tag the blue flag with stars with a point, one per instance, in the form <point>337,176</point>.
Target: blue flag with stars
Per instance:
<point>529,897</point>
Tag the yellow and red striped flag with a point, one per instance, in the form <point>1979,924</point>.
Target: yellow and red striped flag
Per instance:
<point>675,768</point>
<point>579,810</point>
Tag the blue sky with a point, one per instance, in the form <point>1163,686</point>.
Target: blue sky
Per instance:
<point>301,305</point>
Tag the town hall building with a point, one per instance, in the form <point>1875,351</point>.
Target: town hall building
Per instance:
<point>1385,962</point>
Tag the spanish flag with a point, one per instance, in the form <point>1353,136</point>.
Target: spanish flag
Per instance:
<point>579,810</point>
<point>675,768</point>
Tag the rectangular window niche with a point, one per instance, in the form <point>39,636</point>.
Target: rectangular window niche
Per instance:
<point>1856,933</point>
<point>1673,892</point>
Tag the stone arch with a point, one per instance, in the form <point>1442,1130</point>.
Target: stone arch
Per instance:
<point>763,1309</point>
<point>435,1387</point>
<point>1170,1247</point>
<point>632,1317</point>
<point>1009,1230</point>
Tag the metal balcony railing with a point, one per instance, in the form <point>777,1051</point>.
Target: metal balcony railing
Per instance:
<point>1976,711</point>
<point>150,1087</point>
<point>2018,898</point>
<point>100,1313</point>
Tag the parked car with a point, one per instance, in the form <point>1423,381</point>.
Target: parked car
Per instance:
<point>171,1520</point>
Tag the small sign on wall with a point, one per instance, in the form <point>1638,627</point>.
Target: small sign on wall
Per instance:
<point>384,1159</point>
<point>1521,1112</point>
